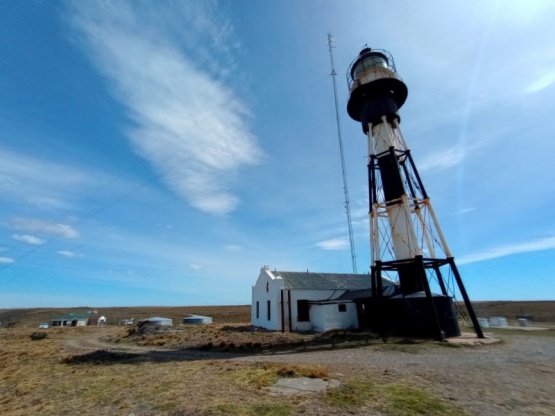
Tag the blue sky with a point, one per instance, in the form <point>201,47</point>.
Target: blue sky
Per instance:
<point>160,153</point>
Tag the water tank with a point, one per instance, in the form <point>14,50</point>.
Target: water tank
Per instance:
<point>158,321</point>
<point>483,322</point>
<point>498,321</point>
<point>197,319</point>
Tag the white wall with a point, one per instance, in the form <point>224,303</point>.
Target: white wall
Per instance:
<point>326,317</point>
<point>267,288</point>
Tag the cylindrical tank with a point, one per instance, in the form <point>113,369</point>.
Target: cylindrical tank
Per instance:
<point>483,322</point>
<point>197,319</point>
<point>413,315</point>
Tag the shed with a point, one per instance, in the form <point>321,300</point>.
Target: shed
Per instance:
<point>197,319</point>
<point>71,319</point>
<point>158,321</point>
<point>101,321</point>
<point>326,316</point>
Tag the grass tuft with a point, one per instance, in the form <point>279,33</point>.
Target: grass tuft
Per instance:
<point>403,400</point>
<point>224,409</point>
<point>270,409</point>
<point>351,393</point>
<point>394,399</point>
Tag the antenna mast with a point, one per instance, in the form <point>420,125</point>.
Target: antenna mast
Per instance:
<point>343,170</point>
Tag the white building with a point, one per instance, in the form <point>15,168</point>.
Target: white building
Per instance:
<point>101,321</point>
<point>71,319</point>
<point>303,301</point>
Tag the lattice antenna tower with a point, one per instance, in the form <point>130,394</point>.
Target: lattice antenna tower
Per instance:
<point>343,169</point>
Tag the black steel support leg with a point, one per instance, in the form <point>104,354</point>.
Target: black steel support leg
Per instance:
<point>440,335</point>
<point>467,303</point>
<point>379,298</point>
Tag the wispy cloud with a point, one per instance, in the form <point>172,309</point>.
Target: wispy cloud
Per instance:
<point>38,182</point>
<point>466,210</point>
<point>542,244</point>
<point>333,244</point>
<point>442,159</point>
<point>28,239</point>
<point>189,125</point>
<point>46,227</point>
<point>232,247</point>
<point>541,83</point>
<point>68,254</point>
<point>196,266</point>
<point>6,260</point>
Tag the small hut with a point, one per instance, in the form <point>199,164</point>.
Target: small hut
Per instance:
<point>101,321</point>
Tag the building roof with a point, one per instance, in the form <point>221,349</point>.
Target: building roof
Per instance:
<point>80,316</point>
<point>388,289</point>
<point>324,281</point>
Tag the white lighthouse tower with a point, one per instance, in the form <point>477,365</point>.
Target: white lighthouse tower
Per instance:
<point>406,240</point>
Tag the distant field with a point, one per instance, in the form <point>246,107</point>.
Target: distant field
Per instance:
<point>221,314</point>
<point>542,311</point>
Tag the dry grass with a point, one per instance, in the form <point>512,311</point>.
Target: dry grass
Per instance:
<point>389,398</point>
<point>47,380</point>
<point>542,311</point>
<point>50,377</point>
<point>71,372</point>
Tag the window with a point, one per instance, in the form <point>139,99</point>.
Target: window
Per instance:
<point>257,309</point>
<point>269,309</point>
<point>342,307</point>
<point>302,311</point>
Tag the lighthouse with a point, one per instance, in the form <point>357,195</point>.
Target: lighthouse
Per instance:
<point>407,244</point>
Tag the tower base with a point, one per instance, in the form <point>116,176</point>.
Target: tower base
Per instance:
<point>409,315</point>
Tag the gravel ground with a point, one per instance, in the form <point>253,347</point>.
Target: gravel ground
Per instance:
<point>516,377</point>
